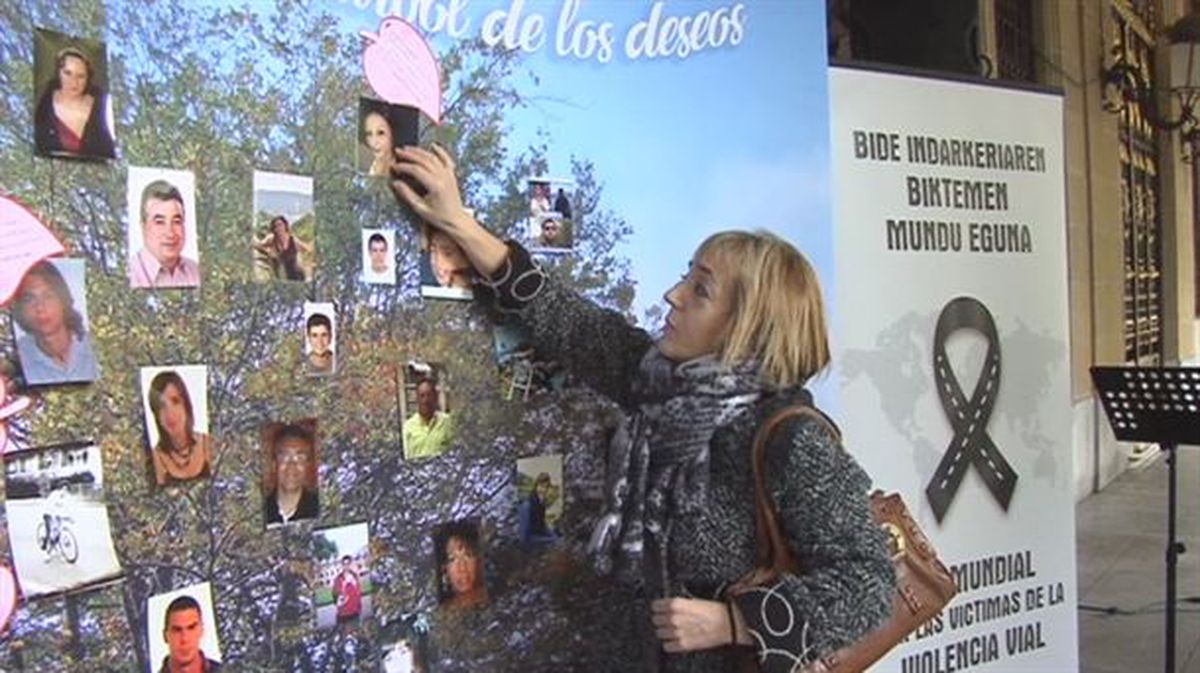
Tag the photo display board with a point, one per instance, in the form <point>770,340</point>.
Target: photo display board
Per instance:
<point>316,450</point>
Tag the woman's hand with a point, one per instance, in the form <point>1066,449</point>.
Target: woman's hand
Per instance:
<point>689,624</point>
<point>441,204</point>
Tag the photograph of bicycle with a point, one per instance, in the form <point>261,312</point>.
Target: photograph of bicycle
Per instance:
<point>57,519</point>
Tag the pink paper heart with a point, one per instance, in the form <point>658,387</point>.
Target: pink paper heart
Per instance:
<point>402,69</point>
<point>8,596</point>
<point>27,241</point>
<point>9,407</point>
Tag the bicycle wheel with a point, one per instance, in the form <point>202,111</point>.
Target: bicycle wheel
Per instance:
<point>68,546</point>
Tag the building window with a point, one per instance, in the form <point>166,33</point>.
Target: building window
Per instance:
<point>1140,199</point>
<point>1014,40</point>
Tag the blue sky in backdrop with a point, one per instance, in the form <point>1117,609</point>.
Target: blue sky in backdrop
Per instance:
<point>728,137</point>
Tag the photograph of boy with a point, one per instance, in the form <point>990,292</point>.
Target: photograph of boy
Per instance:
<point>445,271</point>
<point>175,408</point>
<point>319,338</point>
<point>290,472</point>
<point>74,116</point>
<point>162,247</point>
<point>285,228</point>
<point>343,593</point>
<point>429,426</point>
<point>57,522</point>
<point>458,554</point>
<point>188,640</point>
<point>50,323</point>
<point>540,504</point>
<point>382,128</point>
<point>378,256</point>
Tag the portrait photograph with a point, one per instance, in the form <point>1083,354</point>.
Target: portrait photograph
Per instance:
<point>290,454</point>
<point>379,256</point>
<point>445,271</point>
<point>551,234</point>
<point>404,645</point>
<point>382,128</point>
<point>175,410</point>
<point>459,559</point>
<point>181,628</point>
<point>73,117</point>
<point>320,338</point>
<point>551,223</point>
<point>428,423</point>
<point>163,246</point>
<point>343,595</point>
<point>50,324</point>
<point>551,195</point>
<point>58,523</point>
<point>285,228</point>
<point>539,499</point>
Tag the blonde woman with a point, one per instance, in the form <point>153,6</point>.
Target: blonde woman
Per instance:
<point>745,332</point>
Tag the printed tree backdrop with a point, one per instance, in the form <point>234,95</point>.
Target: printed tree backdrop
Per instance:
<point>222,92</point>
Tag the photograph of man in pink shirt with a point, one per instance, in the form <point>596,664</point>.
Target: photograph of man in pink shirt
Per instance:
<point>160,262</point>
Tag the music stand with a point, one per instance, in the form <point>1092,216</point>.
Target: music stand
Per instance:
<point>1160,405</point>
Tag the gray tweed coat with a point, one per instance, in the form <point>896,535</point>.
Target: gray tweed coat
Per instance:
<point>847,581</point>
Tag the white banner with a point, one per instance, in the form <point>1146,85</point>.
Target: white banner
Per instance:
<point>952,350</point>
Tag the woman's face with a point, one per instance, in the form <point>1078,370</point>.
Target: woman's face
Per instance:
<point>73,75</point>
<point>447,258</point>
<point>462,566</point>
<point>172,412</point>
<point>701,306</point>
<point>377,134</point>
<point>43,309</point>
<point>291,464</point>
<point>279,227</point>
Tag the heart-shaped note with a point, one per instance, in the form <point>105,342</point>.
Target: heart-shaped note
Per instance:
<point>8,596</point>
<point>401,67</point>
<point>9,407</point>
<point>27,241</point>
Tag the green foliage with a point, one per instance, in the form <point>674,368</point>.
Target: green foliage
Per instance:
<point>222,92</point>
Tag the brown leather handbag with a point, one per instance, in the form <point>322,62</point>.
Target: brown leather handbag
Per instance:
<point>923,584</point>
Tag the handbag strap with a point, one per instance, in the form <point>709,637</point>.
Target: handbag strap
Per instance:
<point>773,555</point>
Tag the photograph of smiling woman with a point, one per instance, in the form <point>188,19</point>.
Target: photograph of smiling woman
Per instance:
<point>176,409</point>
<point>382,127</point>
<point>73,118</point>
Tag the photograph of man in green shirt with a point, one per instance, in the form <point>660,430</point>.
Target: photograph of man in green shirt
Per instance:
<point>428,432</point>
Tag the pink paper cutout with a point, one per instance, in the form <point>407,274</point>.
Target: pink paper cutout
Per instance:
<point>27,241</point>
<point>402,69</point>
<point>9,407</point>
<point>8,596</point>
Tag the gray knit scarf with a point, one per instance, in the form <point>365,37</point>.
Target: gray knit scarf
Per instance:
<point>658,460</point>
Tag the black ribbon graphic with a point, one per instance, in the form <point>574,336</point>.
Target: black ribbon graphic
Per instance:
<point>971,444</point>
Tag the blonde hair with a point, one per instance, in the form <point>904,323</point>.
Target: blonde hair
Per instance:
<point>778,315</point>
